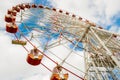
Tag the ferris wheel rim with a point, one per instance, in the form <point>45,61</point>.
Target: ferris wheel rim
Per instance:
<point>12,20</point>
<point>33,6</point>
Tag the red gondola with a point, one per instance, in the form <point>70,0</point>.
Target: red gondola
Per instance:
<point>22,6</point>
<point>57,77</point>
<point>80,18</point>
<point>60,11</point>
<point>27,5</point>
<point>17,8</point>
<point>73,15</point>
<point>100,27</point>
<point>40,6</point>
<point>14,12</point>
<point>34,61</point>
<point>9,18</point>
<point>114,35</point>
<point>9,11</point>
<point>54,9</point>
<point>34,6</point>
<point>92,24</point>
<point>67,13</point>
<point>11,28</point>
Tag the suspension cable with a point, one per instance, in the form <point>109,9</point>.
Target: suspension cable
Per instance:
<point>48,56</point>
<point>52,59</point>
<point>46,67</point>
<point>66,62</point>
<point>70,52</point>
<point>72,73</point>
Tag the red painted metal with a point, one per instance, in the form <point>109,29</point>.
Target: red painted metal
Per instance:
<point>9,11</point>
<point>11,28</point>
<point>60,11</point>
<point>14,12</point>
<point>67,13</point>
<point>57,77</point>
<point>27,6</point>
<point>40,6</point>
<point>34,61</point>
<point>34,6</point>
<point>54,9</point>
<point>17,8</point>
<point>9,18</point>
<point>22,6</point>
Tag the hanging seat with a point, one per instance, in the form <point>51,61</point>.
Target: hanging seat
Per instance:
<point>73,15</point>
<point>9,18</point>
<point>16,8</point>
<point>11,28</point>
<point>40,6</point>
<point>100,27</point>
<point>22,6</point>
<point>14,12</point>
<point>19,42</point>
<point>54,9</point>
<point>60,11</point>
<point>34,6</point>
<point>67,13</point>
<point>9,11</point>
<point>32,60</point>
<point>27,6</point>
<point>56,76</point>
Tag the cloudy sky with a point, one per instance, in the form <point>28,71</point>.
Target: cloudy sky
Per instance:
<point>105,13</point>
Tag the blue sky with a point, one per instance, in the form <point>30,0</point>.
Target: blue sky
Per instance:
<point>43,2</point>
<point>101,12</point>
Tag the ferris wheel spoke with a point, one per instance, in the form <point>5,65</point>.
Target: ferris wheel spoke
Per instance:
<point>69,53</point>
<point>58,43</point>
<point>65,61</point>
<point>74,51</point>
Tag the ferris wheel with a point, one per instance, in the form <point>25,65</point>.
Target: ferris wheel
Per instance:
<point>44,31</point>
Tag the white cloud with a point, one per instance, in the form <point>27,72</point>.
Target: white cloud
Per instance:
<point>13,65</point>
<point>98,11</point>
<point>112,7</point>
<point>115,29</point>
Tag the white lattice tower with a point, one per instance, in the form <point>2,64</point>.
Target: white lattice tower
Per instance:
<point>101,47</point>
